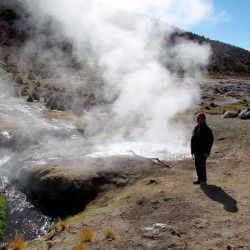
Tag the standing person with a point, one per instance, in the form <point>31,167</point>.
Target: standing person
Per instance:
<point>201,144</point>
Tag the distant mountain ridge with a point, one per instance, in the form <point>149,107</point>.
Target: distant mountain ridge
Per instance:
<point>15,29</point>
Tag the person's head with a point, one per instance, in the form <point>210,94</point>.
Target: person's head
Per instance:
<point>201,118</point>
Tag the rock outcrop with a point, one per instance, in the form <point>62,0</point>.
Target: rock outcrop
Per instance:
<point>66,186</point>
<point>230,114</point>
<point>245,114</point>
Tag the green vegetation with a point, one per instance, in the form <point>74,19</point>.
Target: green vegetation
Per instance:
<point>2,214</point>
<point>61,225</point>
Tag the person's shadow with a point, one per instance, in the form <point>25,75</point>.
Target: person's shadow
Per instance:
<point>218,194</point>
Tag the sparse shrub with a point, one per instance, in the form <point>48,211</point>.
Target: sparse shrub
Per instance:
<point>17,244</point>
<point>62,224</point>
<point>31,76</point>
<point>88,101</point>
<point>38,83</point>
<point>36,95</point>
<point>80,246</point>
<point>53,228</point>
<point>110,234</point>
<point>25,91</point>
<point>212,104</point>
<point>244,102</point>
<point>18,79</point>
<point>216,90</point>
<point>86,235</point>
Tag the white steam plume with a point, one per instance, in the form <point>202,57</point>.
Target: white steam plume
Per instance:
<point>126,47</point>
<point>181,13</point>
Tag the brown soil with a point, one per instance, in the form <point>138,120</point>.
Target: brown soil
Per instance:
<point>214,217</point>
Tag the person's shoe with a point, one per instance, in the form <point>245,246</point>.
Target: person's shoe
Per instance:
<point>203,184</point>
<point>197,182</point>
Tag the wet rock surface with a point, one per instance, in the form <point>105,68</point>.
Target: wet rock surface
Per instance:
<point>245,114</point>
<point>162,209</point>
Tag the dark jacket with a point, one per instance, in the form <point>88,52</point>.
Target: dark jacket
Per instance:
<point>202,139</point>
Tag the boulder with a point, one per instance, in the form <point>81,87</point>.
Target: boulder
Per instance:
<point>56,102</point>
<point>49,101</point>
<point>18,79</point>
<point>245,114</point>
<point>35,94</point>
<point>230,114</point>
<point>25,91</point>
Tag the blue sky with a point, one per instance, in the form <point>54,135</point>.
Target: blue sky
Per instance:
<point>222,20</point>
<point>232,25</point>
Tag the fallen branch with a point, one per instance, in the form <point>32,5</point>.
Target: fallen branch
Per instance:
<point>159,162</point>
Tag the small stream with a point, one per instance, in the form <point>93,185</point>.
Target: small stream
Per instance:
<point>23,218</point>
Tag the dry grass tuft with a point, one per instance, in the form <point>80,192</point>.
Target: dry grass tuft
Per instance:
<point>61,225</point>
<point>86,236</point>
<point>18,243</point>
<point>80,246</point>
<point>110,234</point>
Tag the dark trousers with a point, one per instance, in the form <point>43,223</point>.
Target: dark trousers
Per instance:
<point>200,165</point>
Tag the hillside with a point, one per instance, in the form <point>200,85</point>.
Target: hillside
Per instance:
<point>17,27</point>
<point>226,59</point>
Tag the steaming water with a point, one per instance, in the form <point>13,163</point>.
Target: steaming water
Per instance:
<point>23,216</point>
<point>151,150</point>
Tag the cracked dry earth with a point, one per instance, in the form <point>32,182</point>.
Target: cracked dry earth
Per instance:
<point>188,217</point>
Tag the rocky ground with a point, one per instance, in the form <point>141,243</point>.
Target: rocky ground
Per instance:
<point>190,217</point>
<point>148,206</point>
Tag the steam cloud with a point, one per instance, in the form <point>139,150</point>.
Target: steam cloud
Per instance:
<point>123,41</point>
